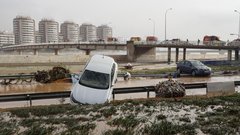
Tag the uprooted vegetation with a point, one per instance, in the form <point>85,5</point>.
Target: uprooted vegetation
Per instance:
<point>218,115</point>
<point>52,75</point>
<point>43,76</point>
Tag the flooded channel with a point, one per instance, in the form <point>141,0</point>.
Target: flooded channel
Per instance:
<point>64,86</point>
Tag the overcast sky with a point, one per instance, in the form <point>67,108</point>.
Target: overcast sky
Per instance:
<point>189,19</point>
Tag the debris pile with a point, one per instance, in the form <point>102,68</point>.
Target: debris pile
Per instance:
<point>51,75</point>
<point>128,66</point>
<point>18,79</point>
<point>169,88</point>
<point>42,76</point>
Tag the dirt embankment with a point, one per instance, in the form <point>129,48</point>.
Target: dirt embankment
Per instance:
<point>218,115</point>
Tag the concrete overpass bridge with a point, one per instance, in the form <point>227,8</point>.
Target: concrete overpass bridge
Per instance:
<point>87,47</point>
<point>134,50</point>
<point>138,50</point>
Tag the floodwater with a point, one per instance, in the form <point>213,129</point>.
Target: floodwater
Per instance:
<point>63,86</point>
<point>66,86</point>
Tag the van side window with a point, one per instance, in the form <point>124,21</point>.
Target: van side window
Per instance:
<point>112,72</point>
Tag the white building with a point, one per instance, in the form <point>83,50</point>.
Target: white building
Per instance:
<point>48,29</point>
<point>24,30</point>
<point>88,32</point>
<point>103,32</point>
<point>6,38</point>
<point>38,37</point>
<point>70,31</point>
<point>60,38</point>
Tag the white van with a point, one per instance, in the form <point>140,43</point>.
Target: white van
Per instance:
<point>95,85</point>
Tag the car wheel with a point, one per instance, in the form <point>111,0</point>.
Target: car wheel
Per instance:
<point>193,73</point>
<point>209,75</point>
<point>178,72</point>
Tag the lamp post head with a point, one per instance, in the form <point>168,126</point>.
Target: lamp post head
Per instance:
<point>236,11</point>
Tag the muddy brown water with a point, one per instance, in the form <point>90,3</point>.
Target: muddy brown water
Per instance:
<point>63,86</point>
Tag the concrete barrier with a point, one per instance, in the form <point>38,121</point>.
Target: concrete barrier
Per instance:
<point>220,88</point>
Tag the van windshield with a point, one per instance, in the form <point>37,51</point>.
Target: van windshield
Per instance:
<point>95,79</point>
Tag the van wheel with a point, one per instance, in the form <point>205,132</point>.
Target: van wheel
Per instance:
<point>193,73</point>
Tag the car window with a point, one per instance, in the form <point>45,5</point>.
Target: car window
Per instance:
<point>181,63</point>
<point>95,79</point>
<point>197,63</point>
<point>187,63</point>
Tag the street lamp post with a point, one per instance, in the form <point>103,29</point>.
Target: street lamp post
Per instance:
<point>166,23</point>
<point>239,23</point>
<point>153,26</point>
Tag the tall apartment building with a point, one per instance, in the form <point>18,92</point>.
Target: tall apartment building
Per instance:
<point>60,37</point>
<point>24,30</point>
<point>38,37</point>
<point>103,32</point>
<point>48,29</point>
<point>88,32</point>
<point>70,31</point>
<point>6,38</point>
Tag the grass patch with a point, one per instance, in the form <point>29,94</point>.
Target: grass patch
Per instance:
<point>7,128</point>
<point>72,124</point>
<point>185,119</point>
<point>225,67</point>
<point>108,112</point>
<point>161,117</point>
<point>221,100</point>
<point>38,129</point>
<point>80,129</point>
<point>22,113</point>
<point>161,128</point>
<point>167,128</point>
<point>118,132</point>
<point>40,110</point>
<point>129,122</point>
<point>221,122</point>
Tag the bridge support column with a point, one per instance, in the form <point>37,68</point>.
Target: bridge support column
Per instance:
<point>87,52</point>
<point>56,51</point>
<point>35,52</point>
<point>236,55</point>
<point>177,54</point>
<point>20,52</point>
<point>230,55</point>
<point>184,53</point>
<point>169,55</point>
<point>130,51</point>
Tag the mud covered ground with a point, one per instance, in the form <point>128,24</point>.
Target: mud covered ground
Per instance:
<point>216,116</point>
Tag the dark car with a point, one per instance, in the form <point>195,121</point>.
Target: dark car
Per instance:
<point>235,42</point>
<point>193,67</point>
